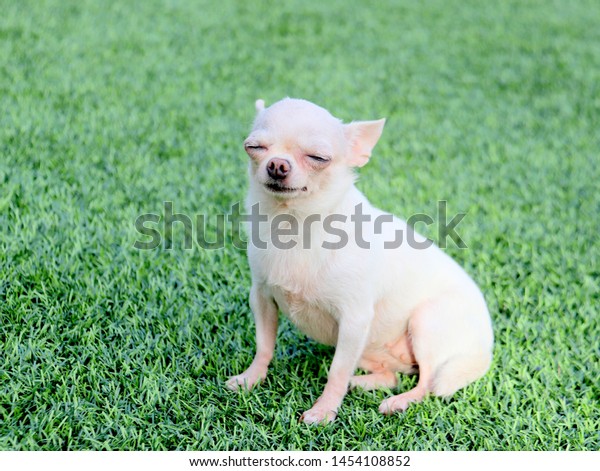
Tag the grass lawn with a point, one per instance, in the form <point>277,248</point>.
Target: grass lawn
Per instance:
<point>109,109</point>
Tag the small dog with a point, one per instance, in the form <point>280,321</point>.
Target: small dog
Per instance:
<point>404,309</point>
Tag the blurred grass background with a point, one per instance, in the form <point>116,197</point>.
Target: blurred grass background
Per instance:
<point>109,108</point>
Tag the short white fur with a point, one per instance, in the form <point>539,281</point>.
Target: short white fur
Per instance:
<point>386,311</point>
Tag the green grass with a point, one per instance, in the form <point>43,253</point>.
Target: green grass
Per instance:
<point>110,108</point>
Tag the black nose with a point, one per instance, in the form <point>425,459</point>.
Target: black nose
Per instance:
<point>278,168</point>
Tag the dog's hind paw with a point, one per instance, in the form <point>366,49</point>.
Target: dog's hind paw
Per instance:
<point>317,415</point>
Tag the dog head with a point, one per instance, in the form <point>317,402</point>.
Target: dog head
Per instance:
<point>298,149</point>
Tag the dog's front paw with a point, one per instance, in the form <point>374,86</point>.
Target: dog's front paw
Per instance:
<point>400,402</point>
<point>318,415</point>
<point>393,404</point>
<point>243,381</point>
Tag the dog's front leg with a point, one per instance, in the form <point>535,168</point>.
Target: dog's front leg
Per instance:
<point>265,316</point>
<point>353,332</point>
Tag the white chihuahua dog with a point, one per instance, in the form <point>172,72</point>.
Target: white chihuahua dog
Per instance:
<point>386,310</point>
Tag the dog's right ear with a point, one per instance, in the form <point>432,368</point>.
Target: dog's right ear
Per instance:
<point>259,105</point>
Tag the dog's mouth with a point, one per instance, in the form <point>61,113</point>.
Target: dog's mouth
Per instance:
<point>278,188</point>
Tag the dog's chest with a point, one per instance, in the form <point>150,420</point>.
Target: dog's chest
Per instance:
<point>311,316</point>
<point>298,281</point>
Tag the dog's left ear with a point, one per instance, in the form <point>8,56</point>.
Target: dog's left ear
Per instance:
<point>259,105</point>
<point>362,137</point>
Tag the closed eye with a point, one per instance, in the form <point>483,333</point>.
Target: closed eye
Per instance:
<point>318,158</point>
<point>255,147</point>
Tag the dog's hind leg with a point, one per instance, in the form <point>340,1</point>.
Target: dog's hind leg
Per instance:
<point>401,401</point>
<point>384,379</point>
<point>452,345</point>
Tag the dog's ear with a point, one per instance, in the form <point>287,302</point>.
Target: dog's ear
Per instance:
<point>259,105</point>
<point>362,137</point>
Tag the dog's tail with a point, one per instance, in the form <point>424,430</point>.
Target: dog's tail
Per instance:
<point>459,371</point>
<point>260,105</point>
